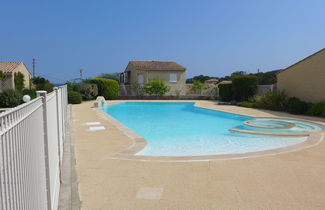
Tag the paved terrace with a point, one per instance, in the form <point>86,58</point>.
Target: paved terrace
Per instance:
<point>293,180</point>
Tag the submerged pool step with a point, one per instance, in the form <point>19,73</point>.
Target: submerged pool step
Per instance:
<point>269,133</point>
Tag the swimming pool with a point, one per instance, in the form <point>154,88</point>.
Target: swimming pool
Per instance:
<point>181,129</point>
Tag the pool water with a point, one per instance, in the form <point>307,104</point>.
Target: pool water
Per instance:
<point>181,129</point>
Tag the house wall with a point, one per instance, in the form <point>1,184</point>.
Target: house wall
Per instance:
<point>176,88</point>
<point>305,80</point>
<point>6,83</point>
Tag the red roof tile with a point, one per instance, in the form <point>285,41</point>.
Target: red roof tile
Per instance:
<point>8,67</point>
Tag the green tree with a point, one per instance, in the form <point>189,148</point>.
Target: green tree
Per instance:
<point>238,73</point>
<point>19,81</point>
<point>42,84</point>
<point>113,76</point>
<point>156,87</point>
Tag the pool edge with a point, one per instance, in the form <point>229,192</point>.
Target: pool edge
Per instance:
<point>314,138</point>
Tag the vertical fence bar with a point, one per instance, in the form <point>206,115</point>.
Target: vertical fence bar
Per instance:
<point>56,89</point>
<point>46,149</point>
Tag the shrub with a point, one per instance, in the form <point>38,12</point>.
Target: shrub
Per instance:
<point>19,81</point>
<point>317,109</point>
<point>156,87</point>
<point>87,90</point>
<point>106,87</point>
<point>74,97</point>
<point>296,106</point>
<point>244,86</point>
<point>246,104</point>
<point>198,86</point>
<point>272,100</point>
<point>138,89</point>
<point>10,98</point>
<point>30,92</point>
<point>225,92</point>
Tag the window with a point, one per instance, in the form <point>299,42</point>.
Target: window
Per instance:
<point>173,77</point>
<point>140,78</point>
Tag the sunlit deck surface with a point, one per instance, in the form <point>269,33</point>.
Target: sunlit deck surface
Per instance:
<point>291,180</point>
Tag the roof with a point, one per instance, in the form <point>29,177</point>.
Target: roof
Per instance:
<point>212,80</point>
<point>8,67</point>
<point>301,60</point>
<point>155,65</point>
<point>225,82</point>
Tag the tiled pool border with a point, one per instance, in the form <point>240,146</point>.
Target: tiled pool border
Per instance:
<point>314,138</point>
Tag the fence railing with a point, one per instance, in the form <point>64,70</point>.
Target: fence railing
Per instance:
<point>31,148</point>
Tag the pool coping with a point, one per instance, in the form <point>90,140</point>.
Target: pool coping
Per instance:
<point>314,138</point>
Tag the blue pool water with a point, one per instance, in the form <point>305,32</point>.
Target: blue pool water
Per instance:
<point>180,129</point>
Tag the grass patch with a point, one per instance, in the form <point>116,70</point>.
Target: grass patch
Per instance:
<point>246,104</point>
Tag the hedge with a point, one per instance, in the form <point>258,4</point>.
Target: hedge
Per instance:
<point>74,97</point>
<point>296,106</point>
<point>317,109</point>
<point>244,87</point>
<point>106,87</point>
<point>225,92</point>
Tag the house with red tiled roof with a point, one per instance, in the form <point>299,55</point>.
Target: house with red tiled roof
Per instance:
<point>9,69</point>
<point>140,72</point>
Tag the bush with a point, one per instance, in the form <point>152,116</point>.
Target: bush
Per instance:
<point>272,100</point>
<point>106,87</point>
<point>225,92</point>
<point>30,92</point>
<point>198,86</point>
<point>156,87</point>
<point>246,104</point>
<point>296,106</point>
<point>244,86</point>
<point>74,97</point>
<point>10,98</point>
<point>317,109</point>
<point>88,91</point>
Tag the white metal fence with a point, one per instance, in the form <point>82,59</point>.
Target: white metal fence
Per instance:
<point>31,148</point>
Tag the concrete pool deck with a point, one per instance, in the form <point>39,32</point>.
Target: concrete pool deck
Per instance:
<point>293,180</point>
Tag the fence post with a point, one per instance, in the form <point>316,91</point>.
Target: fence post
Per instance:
<point>60,137</point>
<point>43,93</point>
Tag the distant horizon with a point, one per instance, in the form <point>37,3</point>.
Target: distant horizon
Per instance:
<point>213,38</point>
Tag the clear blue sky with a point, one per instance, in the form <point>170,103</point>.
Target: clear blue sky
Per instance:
<point>210,37</point>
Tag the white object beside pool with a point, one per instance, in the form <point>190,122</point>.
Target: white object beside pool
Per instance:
<point>97,128</point>
<point>92,123</point>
